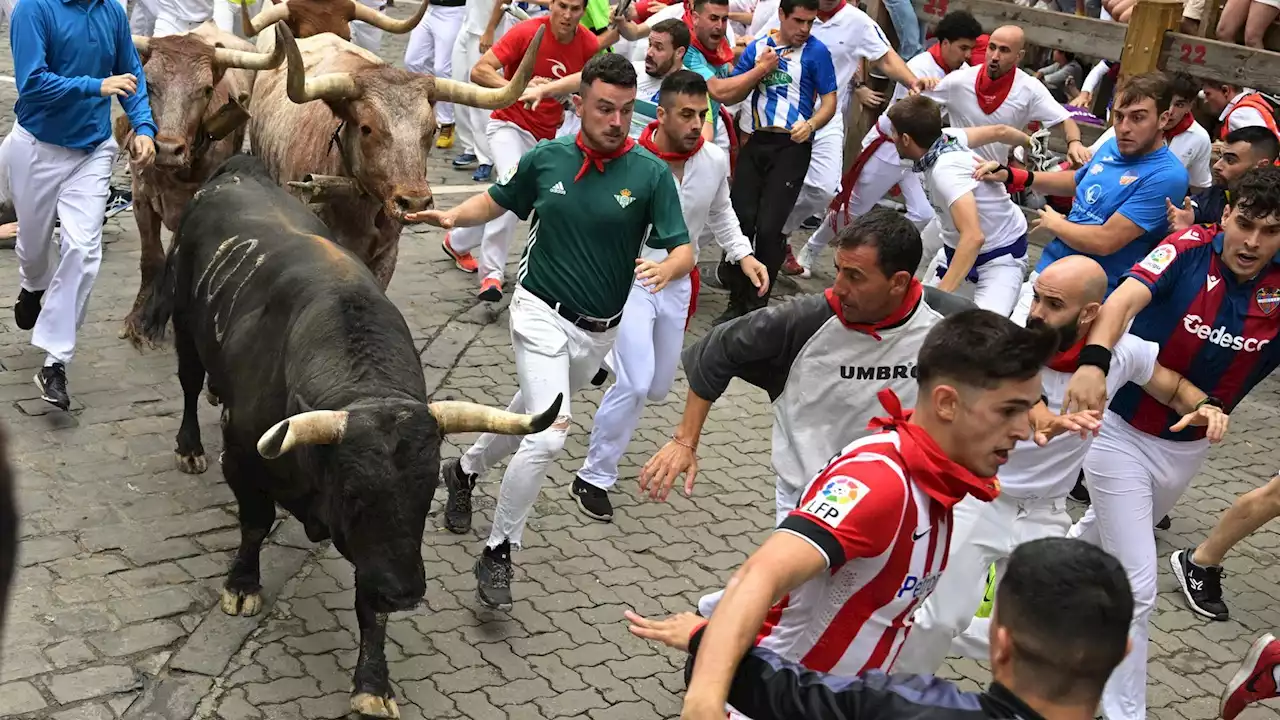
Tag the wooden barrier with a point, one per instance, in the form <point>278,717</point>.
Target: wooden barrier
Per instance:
<point>1081,35</point>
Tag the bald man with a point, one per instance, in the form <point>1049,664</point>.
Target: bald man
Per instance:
<point>1034,483</point>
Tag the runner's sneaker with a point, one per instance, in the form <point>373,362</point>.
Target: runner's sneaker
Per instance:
<point>493,577</point>
<point>444,140</point>
<point>482,173</point>
<point>790,266</point>
<point>806,258</point>
<point>464,161</point>
<point>464,261</point>
<point>1202,586</point>
<point>118,201</point>
<point>813,222</point>
<point>457,509</point>
<point>592,501</point>
<point>1256,679</point>
<point>27,310</point>
<point>52,381</point>
<point>490,290</point>
<point>1080,493</point>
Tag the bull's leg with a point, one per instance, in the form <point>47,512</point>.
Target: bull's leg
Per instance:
<point>150,263</point>
<point>190,452</point>
<point>373,696</point>
<point>241,595</point>
<point>383,264</point>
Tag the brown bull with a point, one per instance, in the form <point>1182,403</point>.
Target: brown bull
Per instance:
<point>353,133</point>
<point>199,84</point>
<point>313,17</point>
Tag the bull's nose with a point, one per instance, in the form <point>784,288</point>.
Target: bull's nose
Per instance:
<point>414,203</point>
<point>169,152</point>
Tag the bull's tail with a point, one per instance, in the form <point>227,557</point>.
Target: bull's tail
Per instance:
<point>158,308</point>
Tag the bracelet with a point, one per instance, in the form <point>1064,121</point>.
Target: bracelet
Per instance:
<point>683,444</point>
<point>1209,400</point>
<point>1076,140</point>
<point>1097,356</point>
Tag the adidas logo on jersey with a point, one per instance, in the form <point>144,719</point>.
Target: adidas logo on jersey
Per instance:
<point>557,189</point>
<point>1219,336</point>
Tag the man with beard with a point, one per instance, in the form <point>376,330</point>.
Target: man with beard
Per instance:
<point>651,335</point>
<point>1042,469</point>
<point>596,200</point>
<point>668,43</point>
<point>1187,141</point>
<point>832,587</point>
<point>1208,300</point>
<point>878,168</point>
<point>1120,195</point>
<point>1249,147</point>
<point>513,131</point>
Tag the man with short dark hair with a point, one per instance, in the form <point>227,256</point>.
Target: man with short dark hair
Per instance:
<point>1059,629</point>
<point>1208,299</point>
<point>832,587</point>
<point>1238,108</point>
<point>668,43</point>
<point>1188,142</point>
<point>596,202</point>
<point>1249,147</point>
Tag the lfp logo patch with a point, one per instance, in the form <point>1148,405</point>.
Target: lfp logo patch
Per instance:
<point>1268,299</point>
<point>1158,259</point>
<point>837,496</point>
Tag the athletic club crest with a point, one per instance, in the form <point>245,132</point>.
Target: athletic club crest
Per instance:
<point>1268,299</point>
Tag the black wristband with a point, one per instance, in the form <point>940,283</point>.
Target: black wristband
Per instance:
<point>1097,356</point>
<point>1211,400</point>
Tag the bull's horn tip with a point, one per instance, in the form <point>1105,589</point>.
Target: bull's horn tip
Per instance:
<point>543,420</point>
<point>271,442</point>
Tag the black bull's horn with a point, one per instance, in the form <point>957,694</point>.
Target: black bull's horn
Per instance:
<point>326,427</point>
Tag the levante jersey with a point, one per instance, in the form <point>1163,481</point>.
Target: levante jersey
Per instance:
<point>1216,331</point>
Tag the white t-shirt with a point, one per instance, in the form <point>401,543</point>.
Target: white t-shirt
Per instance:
<point>1028,101</point>
<point>1049,472</point>
<point>1193,148</point>
<point>951,178</point>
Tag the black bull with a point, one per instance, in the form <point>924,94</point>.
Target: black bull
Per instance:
<point>324,405</point>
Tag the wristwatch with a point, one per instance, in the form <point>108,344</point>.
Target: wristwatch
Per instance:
<point>1211,400</point>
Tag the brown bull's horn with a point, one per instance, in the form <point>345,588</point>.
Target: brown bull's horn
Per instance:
<point>459,417</point>
<point>301,89</point>
<point>264,20</point>
<point>142,43</point>
<point>314,427</point>
<point>249,60</point>
<point>491,98</point>
<point>383,21</point>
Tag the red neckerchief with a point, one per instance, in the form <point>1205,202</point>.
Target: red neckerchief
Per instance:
<point>826,16</point>
<point>909,301</point>
<point>1183,125</point>
<point>941,478</point>
<point>979,54</point>
<point>1068,361</point>
<point>722,55</point>
<point>936,51</point>
<point>598,159</point>
<point>647,142</point>
<point>992,93</point>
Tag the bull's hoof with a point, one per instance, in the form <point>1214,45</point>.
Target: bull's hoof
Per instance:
<point>133,333</point>
<point>211,398</point>
<point>238,603</point>
<point>368,705</point>
<point>191,464</point>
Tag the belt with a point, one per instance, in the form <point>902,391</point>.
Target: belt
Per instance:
<point>1016,249</point>
<point>590,324</point>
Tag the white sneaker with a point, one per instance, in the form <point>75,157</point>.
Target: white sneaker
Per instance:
<point>805,259</point>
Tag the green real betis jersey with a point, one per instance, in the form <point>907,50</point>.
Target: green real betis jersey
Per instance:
<point>585,236</point>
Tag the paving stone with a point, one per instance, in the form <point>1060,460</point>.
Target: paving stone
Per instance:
<point>88,711</point>
<point>136,638</point>
<point>70,653</point>
<point>92,682</point>
<point>20,697</point>
<point>163,603</point>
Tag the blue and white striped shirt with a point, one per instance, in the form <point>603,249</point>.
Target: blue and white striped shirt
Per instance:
<point>787,94</point>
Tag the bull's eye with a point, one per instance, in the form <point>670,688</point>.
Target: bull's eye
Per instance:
<point>366,130</point>
<point>208,91</point>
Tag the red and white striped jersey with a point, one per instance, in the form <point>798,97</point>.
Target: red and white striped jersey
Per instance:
<point>886,544</point>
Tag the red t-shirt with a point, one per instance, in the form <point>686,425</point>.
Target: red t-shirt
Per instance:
<point>555,60</point>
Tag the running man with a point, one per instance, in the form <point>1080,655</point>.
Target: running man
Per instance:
<point>1188,142</point>
<point>594,202</point>
<point>1209,301</point>
<point>651,335</point>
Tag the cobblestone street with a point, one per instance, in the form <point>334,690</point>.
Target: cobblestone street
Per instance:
<point>114,609</point>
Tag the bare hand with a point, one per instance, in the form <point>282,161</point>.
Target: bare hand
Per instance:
<point>1087,390</point>
<point>533,94</point>
<point>924,84</point>
<point>1209,417</point>
<point>1078,154</point>
<point>868,97</point>
<point>660,473</point>
<point>652,275</point>
<point>674,631</point>
<point>119,86</point>
<point>1083,424</point>
<point>801,131</point>
<point>1048,220</point>
<point>989,172</point>
<point>439,218</point>
<point>1082,100</point>
<point>1180,218</point>
<point>756,272</point>
<point>768,59</point>
<point>486,42</point>
<point>143,149</point>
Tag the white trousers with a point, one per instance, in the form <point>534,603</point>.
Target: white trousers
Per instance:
<point>507,142</point>
<point>823,178</point>
<point>226,15</point>
<point>882,171</point>
<point>984,533</point>
<point>469,122</point>
<point>644,360</point>
<point>999,282</point>
<point>1133,478</point>
<point>52,182</point>
<point>430,49</point>
<point>553,357</point>
<point>365,35</point>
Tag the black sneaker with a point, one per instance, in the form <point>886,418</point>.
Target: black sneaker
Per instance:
<point>813,222</point>
<point>600,377</point>
<point>1080,493</point>
<point>27,310</point>
<point>457,510</point>
<point>1202,586</point>
<point>592,501</point>
<point>52,381</point>
<point>1164,524</point>
<point>733,312</point>
<point>118,201</point>
<point>493,577</point>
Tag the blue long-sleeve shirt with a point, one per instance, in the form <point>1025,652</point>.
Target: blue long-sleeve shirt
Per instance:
<point>62,51</point>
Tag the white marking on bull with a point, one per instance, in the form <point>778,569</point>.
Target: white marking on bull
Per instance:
<point>219,328</point>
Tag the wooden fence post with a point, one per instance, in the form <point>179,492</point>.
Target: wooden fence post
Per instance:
<point>1144,38</point>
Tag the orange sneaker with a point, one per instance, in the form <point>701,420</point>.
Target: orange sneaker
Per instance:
<point>464,261</point>
<point>490,290</point>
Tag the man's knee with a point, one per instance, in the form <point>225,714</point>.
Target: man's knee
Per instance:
<point>548,443</point>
